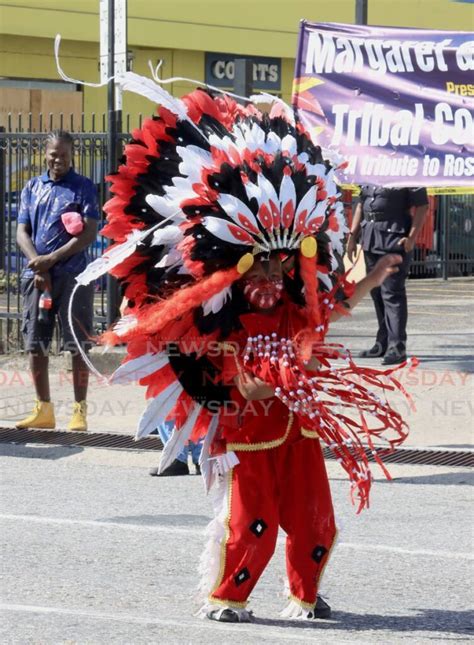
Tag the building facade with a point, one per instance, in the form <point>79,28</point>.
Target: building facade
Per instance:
<point>195,40</point>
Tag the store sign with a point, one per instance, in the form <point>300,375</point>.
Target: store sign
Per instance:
<point>266,71</point>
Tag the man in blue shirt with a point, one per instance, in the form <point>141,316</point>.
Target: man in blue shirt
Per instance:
<point>55,257</point>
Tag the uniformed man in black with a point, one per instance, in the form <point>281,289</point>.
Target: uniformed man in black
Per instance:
<point>386,224</point>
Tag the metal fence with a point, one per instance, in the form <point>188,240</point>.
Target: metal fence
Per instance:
<point>448,250</point>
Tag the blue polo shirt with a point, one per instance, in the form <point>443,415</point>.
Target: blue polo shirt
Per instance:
<point>43,201</point>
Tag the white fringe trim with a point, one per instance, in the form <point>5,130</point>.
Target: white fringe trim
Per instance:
<point>295,611</point>
<point>225,462</point>
<point>244,615</point>
<point>210,560</point>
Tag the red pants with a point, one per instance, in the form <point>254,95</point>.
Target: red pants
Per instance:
<point>285,486</point>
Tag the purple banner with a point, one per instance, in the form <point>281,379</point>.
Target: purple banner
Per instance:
<point>397,104</point>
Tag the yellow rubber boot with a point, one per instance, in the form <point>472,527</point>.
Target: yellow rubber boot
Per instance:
<point>78,422</point>
<point>41,417</point>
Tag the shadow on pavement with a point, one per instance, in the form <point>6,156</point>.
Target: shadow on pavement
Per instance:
<point>38,452</point>
<point>463,363</point>
<point>464,478</point>
<point>427,620</point>
<point>180,519</point>
<point>456,446</point>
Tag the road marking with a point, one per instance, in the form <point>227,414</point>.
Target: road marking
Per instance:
<point>277,634</point>
<point>182,530</point>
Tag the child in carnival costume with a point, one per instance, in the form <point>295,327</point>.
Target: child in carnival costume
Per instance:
<point>228,242</point>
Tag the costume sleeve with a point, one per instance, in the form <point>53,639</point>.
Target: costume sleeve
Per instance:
<point>25,200</point>
<point>89,203</point>
<point>417,197</point>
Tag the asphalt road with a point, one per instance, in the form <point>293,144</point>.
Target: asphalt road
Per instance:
<point>440,328</point>
<point>96,551</point>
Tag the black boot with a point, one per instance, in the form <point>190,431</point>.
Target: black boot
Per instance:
<point>321,609</point>
<point>377,351</point>
<point>175,469</point>
<point>395,354</point>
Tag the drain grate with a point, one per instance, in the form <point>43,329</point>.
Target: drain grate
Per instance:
<point>423,456</point>
<point>85,439</point>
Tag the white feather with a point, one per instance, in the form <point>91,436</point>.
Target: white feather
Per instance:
<point>178,439</point>
<point>158,409</point>
<point>288,144</point>
<point>216,303</point>
<point>149,89</point>
<point>257,137</point>
<point>253,191</point>
<point>181,188</point>
<point>303,157</point>
<point>220,229</point>
<point>139,367</point>
<point>331,186</point>
<point>287,193</point>
<point>306,204</point>
<point>217,142</point>
<point>194,159</point>
<point>263,97</point>
<point>207,465</point>
<point>235,207</point>
<point>170,235</point>
<point>268,191</point>
<point>125,324</point>
<point>241,133</point>
<point>222,143</point>
<point>170,259</point>
<point>166,206</point>
<point>337,237</point>
<point>272,143</point>
<point>317,169</point>
<point>113,257</point>
<point>317,213</point>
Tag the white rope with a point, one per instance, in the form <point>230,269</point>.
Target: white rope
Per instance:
<point>262,97</point>
<point>65,77</point>
<point>101,377</point>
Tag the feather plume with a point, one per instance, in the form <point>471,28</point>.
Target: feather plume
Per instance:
<point>138,368</point>
<point>158,409</point>
<point>178,439</point>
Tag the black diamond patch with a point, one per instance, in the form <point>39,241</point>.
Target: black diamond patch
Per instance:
<point>258,527</point>
<point>242,576</point>
<point>318,553</point>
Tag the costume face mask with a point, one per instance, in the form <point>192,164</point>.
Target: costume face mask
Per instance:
<point>263,293</point>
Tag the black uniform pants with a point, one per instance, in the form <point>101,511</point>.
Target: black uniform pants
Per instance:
<point>390,302</point>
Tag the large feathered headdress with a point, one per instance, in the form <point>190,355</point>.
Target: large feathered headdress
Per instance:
<point>203,188</point>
